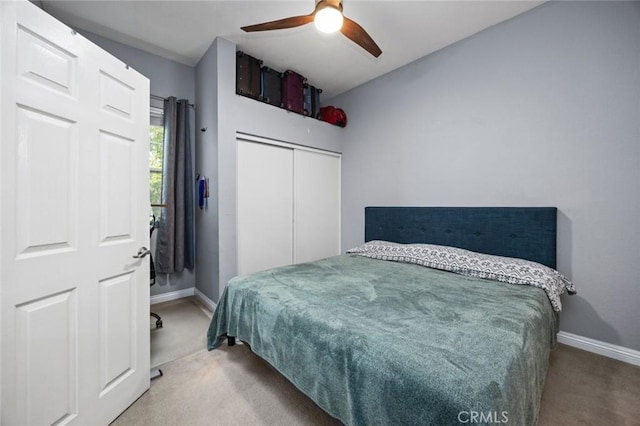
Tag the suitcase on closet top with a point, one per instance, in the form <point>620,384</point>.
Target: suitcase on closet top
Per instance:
<point>293,91</point>
<point>311,101</point>
<point>271,86</point>
<point>247,75</point>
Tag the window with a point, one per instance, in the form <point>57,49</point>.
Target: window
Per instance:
<point>156,154</point>
<point>156,136</point>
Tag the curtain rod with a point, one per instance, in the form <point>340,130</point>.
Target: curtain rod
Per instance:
<point>160,98</point>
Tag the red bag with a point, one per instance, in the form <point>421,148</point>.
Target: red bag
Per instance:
<point>333,115</point>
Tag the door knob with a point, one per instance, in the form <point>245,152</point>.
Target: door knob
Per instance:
<point>142,252</point>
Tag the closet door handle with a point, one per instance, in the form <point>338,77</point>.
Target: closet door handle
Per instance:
<point>142,252</point>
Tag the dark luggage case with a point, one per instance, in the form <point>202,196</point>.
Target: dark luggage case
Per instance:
<point>312,101</point>
<point>293,91</point>
<point>247,75</point>
<point>271,86</point>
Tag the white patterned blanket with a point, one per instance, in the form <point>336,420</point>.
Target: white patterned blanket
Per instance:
<point>505,269</point>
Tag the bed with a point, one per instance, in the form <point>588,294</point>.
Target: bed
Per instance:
<point>383,342</point>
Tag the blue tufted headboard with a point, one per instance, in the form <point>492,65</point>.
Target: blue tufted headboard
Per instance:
<point>524,232</point>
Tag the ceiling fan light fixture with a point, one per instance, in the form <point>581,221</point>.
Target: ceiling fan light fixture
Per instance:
<point>328,19</point>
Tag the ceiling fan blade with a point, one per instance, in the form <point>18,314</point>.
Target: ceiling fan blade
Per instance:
<point>353,31</point>
<point>280,24</point>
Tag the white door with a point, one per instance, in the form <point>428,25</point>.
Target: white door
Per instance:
<point>317,205</point>
<point>75,201</point>
<point>265,200</point>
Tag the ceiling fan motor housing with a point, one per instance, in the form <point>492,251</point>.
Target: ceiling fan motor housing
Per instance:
<point>321,4</point>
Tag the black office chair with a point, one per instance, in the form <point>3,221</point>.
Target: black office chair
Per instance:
<point>152,275</point>
<point>155,372</point>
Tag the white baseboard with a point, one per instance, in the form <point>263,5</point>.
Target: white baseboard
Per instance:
<point>210,304</point>
<point>172,295</point>
<point>620,353</point>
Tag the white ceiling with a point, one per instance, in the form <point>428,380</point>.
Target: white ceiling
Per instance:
<point>183,30</point>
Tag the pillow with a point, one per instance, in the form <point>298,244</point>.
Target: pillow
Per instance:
<point>465,262</point>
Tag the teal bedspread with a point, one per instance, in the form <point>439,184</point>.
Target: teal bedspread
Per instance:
<point>383,343</point>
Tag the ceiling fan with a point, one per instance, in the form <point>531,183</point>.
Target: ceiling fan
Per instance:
<point>328,18</point>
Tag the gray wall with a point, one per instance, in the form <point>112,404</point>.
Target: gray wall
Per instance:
<point>207,255</point>
<point>168,78</point>
<point>225,114</point>
<point>541,110</point>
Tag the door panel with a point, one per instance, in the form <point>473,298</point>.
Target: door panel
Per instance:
<point>46,63</point>
<point>317,201</point>
<point>46,182</point>
<point>117,321</point>
<point>120,123</point>
<point>46,348</point>
<point>116,188</point>
<point>75,202</point>
<point>115,96</point>
<point>265,207</point>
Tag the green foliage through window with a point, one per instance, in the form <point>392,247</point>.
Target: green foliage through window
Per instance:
<point>156,138</point>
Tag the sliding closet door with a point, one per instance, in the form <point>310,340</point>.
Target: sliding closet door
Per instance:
<point>317,205</point>
<point>265,200</point>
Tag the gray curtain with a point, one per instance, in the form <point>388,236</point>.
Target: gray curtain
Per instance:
<point>176,234</point>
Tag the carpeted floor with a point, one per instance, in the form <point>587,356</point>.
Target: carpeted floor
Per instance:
<point>229,386</point>
<point>232,386</point>
<point>583,388</point>
<point>183,332</point>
